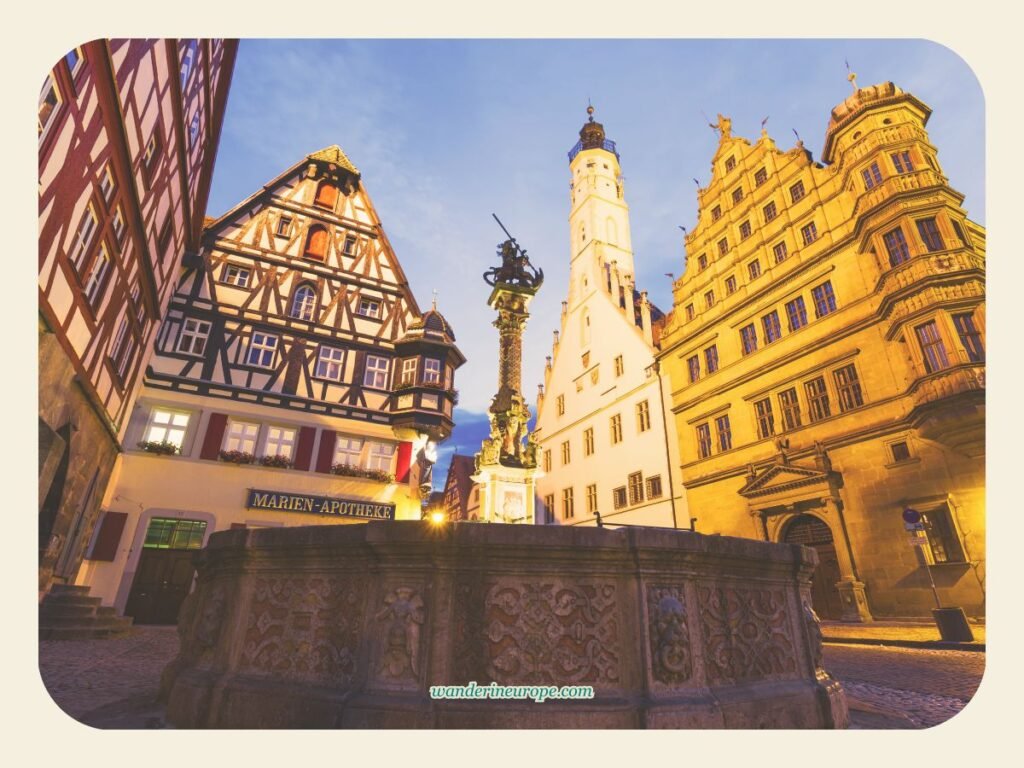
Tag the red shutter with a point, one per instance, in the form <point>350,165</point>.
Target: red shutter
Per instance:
<point>325,458</point>
<point>214,436</point>
<point>304,450</point>
<point>104,546</point>
<point>404,460</point>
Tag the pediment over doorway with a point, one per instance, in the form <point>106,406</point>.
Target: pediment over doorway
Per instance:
<point>781,477</point>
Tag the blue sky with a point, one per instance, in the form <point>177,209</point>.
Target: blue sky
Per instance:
<point>447,131</point>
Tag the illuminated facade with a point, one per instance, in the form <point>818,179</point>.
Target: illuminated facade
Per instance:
<point>601,417</point>
<point>845,304</point>
<point>128,132</point>
<point>293,361</point>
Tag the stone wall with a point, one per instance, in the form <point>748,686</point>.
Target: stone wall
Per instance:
<point>349,626</point>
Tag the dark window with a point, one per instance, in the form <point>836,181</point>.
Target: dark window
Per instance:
<point>970,338</point>
<point>693,366</point>
<point>872,176</point>
<point>930,235</point>
<point>781,252</point>
<point>958,230</point>
<point>724,432</point>
<point>796,313</point>
<point>730,163</point>
<point>790,406</point>
<point>737,194</point>
<point>748,338</point>
<point>703,440</point>
<point>848,387</point>
<point>796,192</point>
<point>689,312</point>
<point>932,348</point>
<point>702,262</point>
<point>760,177</point>
<point>901,161</point>
<point>723,246</point>
<point>809,233</point>
<point>942,536</point>
<point>349,248</point>
<point>754,268</point>
<point>619,497</point>
<point>711,358</point>
<point>730,285</point>
<point>709,299</point>
<point>770,212</point>
<point>824,299</point>
<point>900,451</point>
<point>284,226</point>
<point>172,533</point>
<point>772,327</point>
<point>654,487</point>
<point>817,399</point>
<point>745,230</point>
<point>896,246</point>
<point>716,213</point>
<point>765,418</point>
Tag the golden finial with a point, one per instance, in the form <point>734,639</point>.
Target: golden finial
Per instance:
<point>590,111</point>
<point>851,76</point>
<point>434,302</point>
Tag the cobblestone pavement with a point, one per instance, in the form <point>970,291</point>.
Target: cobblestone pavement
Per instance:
<point>889,687</point>
<point>882,630</point>
<point>114,683</point>
<point>109,683</point>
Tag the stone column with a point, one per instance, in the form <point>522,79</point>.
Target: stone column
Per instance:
<point>851,589</point>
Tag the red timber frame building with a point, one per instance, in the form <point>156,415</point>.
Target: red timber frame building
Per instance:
<point>128,135</point>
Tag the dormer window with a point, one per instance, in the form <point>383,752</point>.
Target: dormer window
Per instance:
<point>326,195</point>
<point>431,371</point>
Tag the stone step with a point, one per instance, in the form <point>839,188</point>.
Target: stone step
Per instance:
<point>68,589</point>
<point>56,611</point>
<point>70,600</point>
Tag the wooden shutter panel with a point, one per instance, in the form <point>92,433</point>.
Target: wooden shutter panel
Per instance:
<point>325,458</point>
<point>404,461</point>
<point>304,449</point>
<point>104,546</point>
<point>214,436</point>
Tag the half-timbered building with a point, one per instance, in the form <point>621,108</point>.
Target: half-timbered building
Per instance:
<point>295,382</point>
<point>128,132</point>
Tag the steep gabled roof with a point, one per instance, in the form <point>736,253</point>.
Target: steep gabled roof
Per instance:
<point>334,156</point>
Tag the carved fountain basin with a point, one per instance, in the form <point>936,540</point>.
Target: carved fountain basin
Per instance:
<point>350,626</point>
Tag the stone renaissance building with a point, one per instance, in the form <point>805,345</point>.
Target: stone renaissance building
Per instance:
<point>826,353</point>
<point>295,382</point>
<point>607,447</point>
<point>128,132</point>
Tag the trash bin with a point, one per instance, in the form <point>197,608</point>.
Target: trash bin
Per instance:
<point>952,624</point>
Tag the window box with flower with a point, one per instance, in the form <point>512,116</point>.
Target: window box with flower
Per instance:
<point>277,460</point>
<point>237,457</point>
<point>160,447</point>
<point>368,474</point>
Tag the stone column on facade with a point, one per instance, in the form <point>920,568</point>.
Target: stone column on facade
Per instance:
<point>851,589</point>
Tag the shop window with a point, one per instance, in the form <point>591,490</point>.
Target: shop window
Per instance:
<point>942,538</point>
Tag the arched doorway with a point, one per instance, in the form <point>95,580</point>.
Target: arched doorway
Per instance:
<point>812,532</point>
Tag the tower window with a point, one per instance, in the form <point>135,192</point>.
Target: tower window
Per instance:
<point>930,235</point>
<point>872,176</point>
<point>896,246</point>
<point>901,161</point>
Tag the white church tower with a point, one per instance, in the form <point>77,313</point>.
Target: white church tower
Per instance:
<point>601,419</point>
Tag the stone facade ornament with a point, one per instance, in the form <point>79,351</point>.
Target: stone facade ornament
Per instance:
<point>401,617</point>
<point>669,636</point>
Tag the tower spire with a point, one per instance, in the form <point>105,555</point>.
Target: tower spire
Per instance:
<point>851,76</point>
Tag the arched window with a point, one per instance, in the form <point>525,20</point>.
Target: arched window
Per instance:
<point>303,303</point>
<point>612,231</point>
<point>326,195</point>
<point>316,243</point>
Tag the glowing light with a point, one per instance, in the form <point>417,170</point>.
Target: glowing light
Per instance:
<point>438,518</point>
